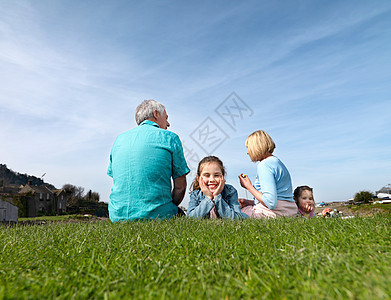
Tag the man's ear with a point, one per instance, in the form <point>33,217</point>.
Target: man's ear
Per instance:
<point>156,114</point>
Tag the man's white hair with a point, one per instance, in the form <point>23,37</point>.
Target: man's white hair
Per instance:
<point>145,110</point>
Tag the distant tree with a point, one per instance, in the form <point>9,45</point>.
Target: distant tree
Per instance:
<point>75,195</point>
<point>79,191</point>
<point>92,196</point>
<point>73,190</point>
<point>95,196</point>
<point>363,196</point>
<point>69,188</point>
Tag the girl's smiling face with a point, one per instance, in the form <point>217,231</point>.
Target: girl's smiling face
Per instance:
<point>306,201</point>
<point>212,175</point>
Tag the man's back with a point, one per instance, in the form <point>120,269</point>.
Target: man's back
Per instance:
<point>142,162</point>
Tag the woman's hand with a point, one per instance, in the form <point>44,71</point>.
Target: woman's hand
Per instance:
<point>220,187</point>
<point>205,189</point>
<point>245,182</point>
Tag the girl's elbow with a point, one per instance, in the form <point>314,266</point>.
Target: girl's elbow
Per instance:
<point>190,213</point>
<point>237,216</point>
<point>193,214</point>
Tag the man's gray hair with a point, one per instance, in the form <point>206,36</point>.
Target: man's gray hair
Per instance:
<point>145,110</point>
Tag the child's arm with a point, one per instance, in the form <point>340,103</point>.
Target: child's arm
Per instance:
<point>229,207</point>
<point>199,205</point>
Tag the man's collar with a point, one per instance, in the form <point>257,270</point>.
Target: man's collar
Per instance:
<point>149,122</point>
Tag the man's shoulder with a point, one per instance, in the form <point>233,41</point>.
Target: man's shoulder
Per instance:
<point>168,133</point>
<point>169,137</point>
<point>151,130</point>
<point>124,134</point>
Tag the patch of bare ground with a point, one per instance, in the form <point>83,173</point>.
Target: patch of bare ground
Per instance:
<point>363,210</point>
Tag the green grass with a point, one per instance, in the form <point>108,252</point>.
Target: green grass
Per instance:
<point>192,259</point>
<point>54,218</point>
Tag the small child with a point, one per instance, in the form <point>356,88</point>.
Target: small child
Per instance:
<point>211,197</point>
<point>304,199</point>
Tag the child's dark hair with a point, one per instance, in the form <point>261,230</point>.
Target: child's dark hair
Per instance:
<point>299,190</point>
<point>208,159</point>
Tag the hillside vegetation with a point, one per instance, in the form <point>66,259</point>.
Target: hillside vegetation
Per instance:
<point>8,176</point>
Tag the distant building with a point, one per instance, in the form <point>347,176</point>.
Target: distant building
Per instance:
<point>8,212</point>
<point>383,196</point>
<point>41,200</point>
<point>61,198</point>
<point>384,192</point>
<point>385,189</point>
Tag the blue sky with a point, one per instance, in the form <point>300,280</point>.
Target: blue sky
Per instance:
<point>315,74</point>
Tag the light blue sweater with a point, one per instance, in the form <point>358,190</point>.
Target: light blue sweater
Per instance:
<point>273,181</point>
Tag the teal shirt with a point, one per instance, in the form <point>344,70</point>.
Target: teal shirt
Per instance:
<point>142,162</point>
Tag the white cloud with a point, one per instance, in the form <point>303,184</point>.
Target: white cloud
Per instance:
<point>70,84</point>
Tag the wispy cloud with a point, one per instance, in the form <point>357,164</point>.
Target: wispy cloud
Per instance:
<point>315,74</point>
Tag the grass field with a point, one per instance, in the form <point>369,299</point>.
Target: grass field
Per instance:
<point>52,218</point>
<point>191,259</point>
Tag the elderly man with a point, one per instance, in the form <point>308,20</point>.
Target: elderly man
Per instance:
<point>142,162</point>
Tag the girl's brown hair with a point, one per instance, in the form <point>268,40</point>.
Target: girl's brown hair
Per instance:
<point>299,190</point>
<point>208,159</point>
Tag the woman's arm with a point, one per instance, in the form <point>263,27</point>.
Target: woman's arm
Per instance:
<point>245,182</point>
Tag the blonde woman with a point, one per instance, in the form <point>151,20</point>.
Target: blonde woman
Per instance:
<point>272,189</point>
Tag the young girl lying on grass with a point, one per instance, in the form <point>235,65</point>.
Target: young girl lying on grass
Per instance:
<point>304,199</point>
<point>211,197</point>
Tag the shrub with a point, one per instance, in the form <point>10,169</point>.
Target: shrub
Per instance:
<point>363,196</point>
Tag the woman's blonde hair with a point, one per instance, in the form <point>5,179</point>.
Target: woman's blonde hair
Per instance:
<point>259,143</point>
